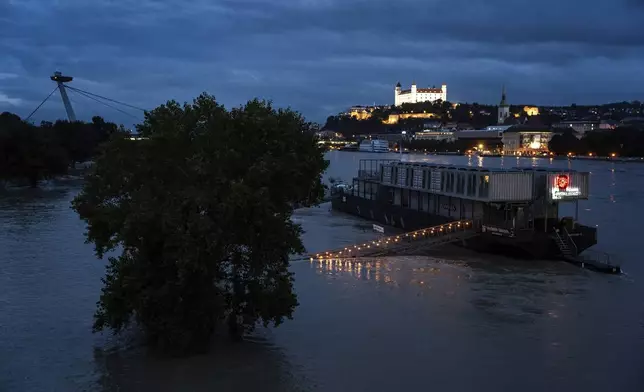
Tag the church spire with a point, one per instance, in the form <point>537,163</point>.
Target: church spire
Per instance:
<point>503,102</point>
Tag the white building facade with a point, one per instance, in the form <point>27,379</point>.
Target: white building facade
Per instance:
<point>437,135</point>
<point>415,94</point>
<point>580,127</point>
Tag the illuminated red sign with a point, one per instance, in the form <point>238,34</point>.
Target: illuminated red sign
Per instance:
<point>562,182</point>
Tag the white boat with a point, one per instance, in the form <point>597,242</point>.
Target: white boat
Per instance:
<point>368,145</point>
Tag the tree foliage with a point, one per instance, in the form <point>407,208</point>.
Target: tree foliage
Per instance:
<point>33,153</point>
<point>565,142</point>
<point>624,141</point>
<point>28,153</point>
<point>201,212</point>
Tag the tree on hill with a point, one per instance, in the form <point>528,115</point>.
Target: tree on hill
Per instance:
<point>201,210</point>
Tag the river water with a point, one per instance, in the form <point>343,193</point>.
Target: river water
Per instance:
<point>457,321</point>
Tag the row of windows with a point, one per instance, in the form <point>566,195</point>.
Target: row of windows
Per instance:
<point>456,183</point>
<point>478,185</point>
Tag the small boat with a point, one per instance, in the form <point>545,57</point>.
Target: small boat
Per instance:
<point>375,145</point>
<point>339,188</point>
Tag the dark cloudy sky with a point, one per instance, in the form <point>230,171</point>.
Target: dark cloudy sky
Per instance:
<point>319,56</point>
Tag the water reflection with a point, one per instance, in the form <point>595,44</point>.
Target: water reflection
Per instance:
<point>501,290</point>
<point>255,364</point>
<point>24,207</point>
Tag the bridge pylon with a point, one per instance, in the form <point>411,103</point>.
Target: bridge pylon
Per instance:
<point>61,79</point>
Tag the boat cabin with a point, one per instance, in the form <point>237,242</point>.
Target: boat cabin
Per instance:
<point>500,199</point>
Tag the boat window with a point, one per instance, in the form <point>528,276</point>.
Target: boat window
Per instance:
<point>484,186</point>
<point>471,185</point>
<point>460,183</point>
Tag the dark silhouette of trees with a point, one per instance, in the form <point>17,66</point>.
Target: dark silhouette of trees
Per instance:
<point>28,153</point>
<point>201,210</point>
<point>33,153</point>
<point>565,142</point>
<point>623,141</point>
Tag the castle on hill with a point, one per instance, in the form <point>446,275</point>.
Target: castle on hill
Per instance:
<point>415,94</point>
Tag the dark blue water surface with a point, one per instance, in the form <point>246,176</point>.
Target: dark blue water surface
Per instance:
<point>457,321</point>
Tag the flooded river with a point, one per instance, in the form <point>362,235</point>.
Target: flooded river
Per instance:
<point>458,321</point>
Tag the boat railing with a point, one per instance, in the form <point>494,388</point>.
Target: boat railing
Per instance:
<point>568,239</point>
<point>597,257</point>
<point>369,174</point>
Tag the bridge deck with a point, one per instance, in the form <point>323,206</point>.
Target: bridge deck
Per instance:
<point>411,242</point>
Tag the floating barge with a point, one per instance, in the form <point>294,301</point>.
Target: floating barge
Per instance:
<point>515,211</point>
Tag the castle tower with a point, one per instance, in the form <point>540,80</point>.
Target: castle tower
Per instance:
<point>504,109</point>
<point>397,94</point>
<point>444,94</point>
<point>414,90</point>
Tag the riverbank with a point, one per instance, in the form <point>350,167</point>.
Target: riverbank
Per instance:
<point>559,157</point>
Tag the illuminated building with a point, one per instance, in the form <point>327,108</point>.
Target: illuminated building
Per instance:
<point>394,118</point>
<point>525,140</point>
<point>580,127</point>
<point>436,135</point>
<point>415,94</point>
<point>531,110</point>
<point>360,112</point>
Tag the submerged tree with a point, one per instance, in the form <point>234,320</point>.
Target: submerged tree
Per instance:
<point>201,211</point>
<point>28,153</point>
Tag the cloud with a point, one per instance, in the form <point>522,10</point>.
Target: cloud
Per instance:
<point>6,75</point>
<point>319,56</point>
<point>6,100</point>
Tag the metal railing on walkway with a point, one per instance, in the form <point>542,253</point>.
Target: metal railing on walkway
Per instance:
<point>402,242</point>
<point>596,256</point>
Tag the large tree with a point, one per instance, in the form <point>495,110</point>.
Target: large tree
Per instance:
<point>201,212</point>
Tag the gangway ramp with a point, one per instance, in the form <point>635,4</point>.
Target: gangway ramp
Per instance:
<point>414,242</point>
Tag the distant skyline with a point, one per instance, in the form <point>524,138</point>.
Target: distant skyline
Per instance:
<point>318,56</point>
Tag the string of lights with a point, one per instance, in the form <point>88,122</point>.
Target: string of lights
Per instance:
<point>376,245</point>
